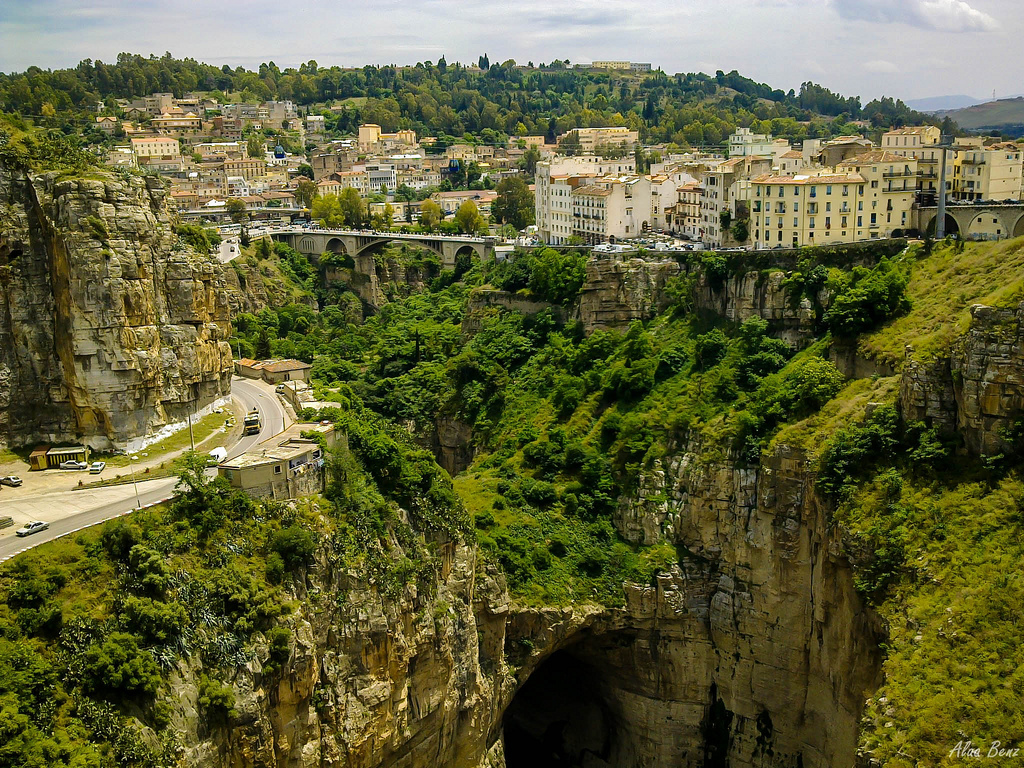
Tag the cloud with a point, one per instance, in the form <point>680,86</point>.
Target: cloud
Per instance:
<point>879,65</point>
<point>941,15</point>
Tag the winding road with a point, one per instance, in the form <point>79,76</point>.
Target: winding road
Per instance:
<point>81,509</point>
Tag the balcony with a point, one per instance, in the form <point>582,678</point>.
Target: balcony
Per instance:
<point>973,161</point>
<point>898,175</point>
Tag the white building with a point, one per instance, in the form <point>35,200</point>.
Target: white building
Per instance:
<point>554,181</point>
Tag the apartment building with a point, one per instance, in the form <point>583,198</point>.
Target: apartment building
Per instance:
<point>684,218</point>
<point>611,208</point>
<point>370,136</point>
<point>293,466</point>
<point>554,182</point>
<point>864,198</point>
<point>987,173</point>
<point>592,138</point>
<point>176,120</point>
<point>745,142</point>
<point>155,146</point>
<point>246,167</point>
<point>724,187</point>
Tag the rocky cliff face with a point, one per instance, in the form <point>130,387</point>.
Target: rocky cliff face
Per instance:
<point>110,328</point>
<point>617,292</point>
<point>977,390</point>
<point>754,651</point>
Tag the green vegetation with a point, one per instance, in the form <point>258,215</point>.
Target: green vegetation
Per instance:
<point>941,289</point>
<point>457,104</point>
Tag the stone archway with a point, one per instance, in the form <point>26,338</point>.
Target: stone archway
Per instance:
<point>307,245</point>
<point>952,228</point>
<point>1018,227</point>
<point>986,225</point>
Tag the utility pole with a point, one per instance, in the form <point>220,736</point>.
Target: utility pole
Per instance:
<point>191,436</point>
<point>940,216</point>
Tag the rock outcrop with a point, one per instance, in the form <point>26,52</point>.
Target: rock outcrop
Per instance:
<point>977,389</point>
<point>110,327</point>
<point>616,293</point>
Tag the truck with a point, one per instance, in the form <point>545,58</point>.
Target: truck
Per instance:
<point>251,423</point>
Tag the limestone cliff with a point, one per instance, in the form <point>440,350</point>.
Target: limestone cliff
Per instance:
<point>754,651</point>
<point>617,292</point>
<point>110,327</point>
<point>977,389</point>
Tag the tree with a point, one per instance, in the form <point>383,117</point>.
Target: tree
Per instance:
<point>236,210</point>
<point>254,146</point>
<point>514,203</point>
<point>305,193</point>
<point>570,145</point>
<point>327,210</point>
<point>529,161</point>
<point>556,276</point>
<point>305,169</point>
<point>430,214</point>
<point>468,218</point>
<point>352,208</point>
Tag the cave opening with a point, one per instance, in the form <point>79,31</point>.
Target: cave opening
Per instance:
<point>562,717</point>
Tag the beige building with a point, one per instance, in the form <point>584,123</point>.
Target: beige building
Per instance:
<point>273,371</point>
<point>155,146</point>
<point>175,120</point>
<point>726,186</point>
<point>592,138</point>
<point>370,136</point>
<point>291,467</point>
<point>867,197</point>
<point>987,173</point>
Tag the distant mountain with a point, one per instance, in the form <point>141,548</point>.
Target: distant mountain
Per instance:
<point>1004,115</point>
<point>937,103</point>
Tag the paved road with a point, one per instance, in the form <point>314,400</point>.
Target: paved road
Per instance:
<point>80,509</point>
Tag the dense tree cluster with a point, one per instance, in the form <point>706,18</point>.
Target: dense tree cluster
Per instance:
<point>450,100</point>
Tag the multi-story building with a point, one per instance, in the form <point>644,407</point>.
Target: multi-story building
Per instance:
<point>987,173</point>
<point>155,146</point>
<point>745,142</point>
<point>591,138</point>
<point>554,181</point>
<point>864,198</point>
<point>175,120</point>
<point>381,176</point>
<point>370,136</point>
<point>687,218</point>
<point>246,167</point>
<point>316,125</point>
<point>611,208</point>
<point>158,103</point>
<point>725,186</point>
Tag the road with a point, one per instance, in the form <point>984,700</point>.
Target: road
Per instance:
<point>80,509</point>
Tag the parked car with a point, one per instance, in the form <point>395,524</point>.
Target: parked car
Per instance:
<point>72,464</point>
<point>33,527</point>
<point>96,467</point>
<point>279,388</point>
<point>12,480</point>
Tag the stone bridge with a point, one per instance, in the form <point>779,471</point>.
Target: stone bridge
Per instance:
<point>356,243</point>
<point>990,221</point>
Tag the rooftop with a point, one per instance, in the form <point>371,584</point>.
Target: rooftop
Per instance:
<point>799,179</point>
<point>875,156</point>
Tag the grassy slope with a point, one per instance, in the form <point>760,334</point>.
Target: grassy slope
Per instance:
<point>942,288</point>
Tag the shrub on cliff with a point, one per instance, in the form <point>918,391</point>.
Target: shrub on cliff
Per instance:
<point>116,667</point>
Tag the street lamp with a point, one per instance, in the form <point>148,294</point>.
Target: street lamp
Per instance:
<point>135,480</point>
<point>945,143</point>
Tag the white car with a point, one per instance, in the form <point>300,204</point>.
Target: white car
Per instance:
<point>12,480</point>
<point>34,527</point>
<point>72,464</point>
<point>96,467</point>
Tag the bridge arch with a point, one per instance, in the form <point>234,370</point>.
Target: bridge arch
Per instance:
<point>1018,227</point>
<point>306,245</point>
<point>985,225</point>
<point>334,245</point>
<point>952,227</point>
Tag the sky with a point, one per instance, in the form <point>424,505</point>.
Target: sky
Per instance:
<point>903,48</point>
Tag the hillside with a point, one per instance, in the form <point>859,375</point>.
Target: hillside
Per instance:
<point>1002,116</point>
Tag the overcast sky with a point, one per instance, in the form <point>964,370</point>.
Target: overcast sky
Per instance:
<point>905,48</point>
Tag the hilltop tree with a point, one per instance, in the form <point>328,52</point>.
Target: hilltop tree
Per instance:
<point>327,210</point>
<point>236,210</point>
<point>254,145</point>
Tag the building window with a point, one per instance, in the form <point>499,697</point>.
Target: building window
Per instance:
<point>828,189</point>
<point>796,207</point>
<point>874,219</point>
<point>810,223</point>
<point>277,469</point>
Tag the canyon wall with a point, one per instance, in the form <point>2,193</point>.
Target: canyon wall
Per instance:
<point>110,326</point>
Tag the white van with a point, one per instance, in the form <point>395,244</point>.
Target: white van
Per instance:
<point>216,456</point>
